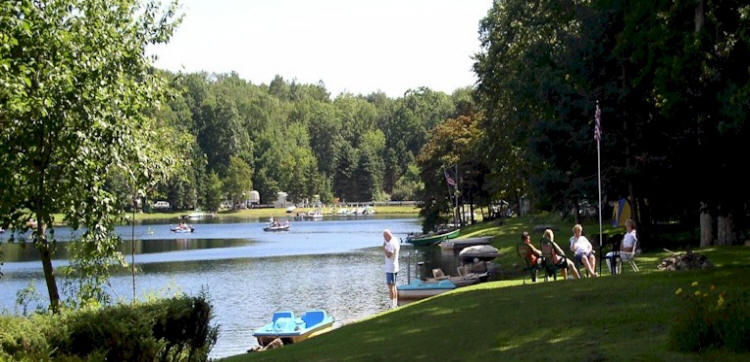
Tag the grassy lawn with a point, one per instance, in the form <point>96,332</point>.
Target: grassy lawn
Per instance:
<point>625,317</point>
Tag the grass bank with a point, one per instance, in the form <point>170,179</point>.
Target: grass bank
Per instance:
<point>625,317</point>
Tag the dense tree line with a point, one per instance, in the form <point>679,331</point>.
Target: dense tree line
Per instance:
<point>673,82</point>
<point>296,138</point>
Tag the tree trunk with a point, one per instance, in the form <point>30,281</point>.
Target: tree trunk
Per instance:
<point>49,272</point>
<point>577,211</point>
<point>700,17</point>
<point>725,233</point>
<point>707,226</point>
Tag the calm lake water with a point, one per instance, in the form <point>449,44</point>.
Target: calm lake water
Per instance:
<point>336,265</point>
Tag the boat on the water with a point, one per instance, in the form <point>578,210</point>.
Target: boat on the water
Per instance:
<point>316,214</point>
<point>182,228</point>
<point>419,289</point>
<point>284,227</point>
<point>458,244</point>
<point>432,238</point>
<point>478,252</point>
<point>284,325</point>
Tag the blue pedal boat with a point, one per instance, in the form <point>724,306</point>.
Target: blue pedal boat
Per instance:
<point>284,325</point>
<point>419,289</point>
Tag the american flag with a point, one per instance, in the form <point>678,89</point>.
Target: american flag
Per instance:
<point>598,127</point>
<point>449,179</point>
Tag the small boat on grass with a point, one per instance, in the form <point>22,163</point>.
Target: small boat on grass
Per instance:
<point>432,238</point>
<point>289,329</point>
<point>419,289</point>
<point>478,252</point>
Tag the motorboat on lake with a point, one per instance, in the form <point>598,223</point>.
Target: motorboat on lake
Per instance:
<point>277,226</point>
<point>289,329</point>
<point>182,228</point>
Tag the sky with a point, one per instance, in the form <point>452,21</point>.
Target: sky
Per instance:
<point>353,46</point>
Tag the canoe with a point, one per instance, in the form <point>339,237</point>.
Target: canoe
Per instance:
<point>458,244</point>
<point>293,330</point>
<point>419,289</point>
<point>432,239</point>
<point>481,252</point>
<point>277,228</point>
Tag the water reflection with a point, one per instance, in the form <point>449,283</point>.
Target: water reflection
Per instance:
<point>336,265</point>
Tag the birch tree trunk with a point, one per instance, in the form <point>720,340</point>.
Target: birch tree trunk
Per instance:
<point>707,226</point>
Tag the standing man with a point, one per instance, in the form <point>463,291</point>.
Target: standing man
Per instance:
<point>391,246</point>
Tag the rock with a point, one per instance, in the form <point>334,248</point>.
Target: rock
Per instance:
<point>276,343</point>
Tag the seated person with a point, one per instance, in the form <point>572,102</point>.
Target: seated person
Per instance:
<point>627,245</point>
<point>582,249</point>
<point>535,254</point>
<point>554,255</point>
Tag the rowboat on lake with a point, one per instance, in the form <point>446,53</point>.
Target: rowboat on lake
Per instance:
<point>432,238</point>
<point>292,330</point>
<point>182,228</point>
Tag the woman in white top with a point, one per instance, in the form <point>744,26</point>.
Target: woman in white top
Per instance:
<point>582,249</point>
<point>627,246</point>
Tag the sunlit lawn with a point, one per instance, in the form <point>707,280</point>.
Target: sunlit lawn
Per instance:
<point>625,317</point>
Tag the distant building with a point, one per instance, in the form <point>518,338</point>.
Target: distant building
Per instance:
<point>254,198</point>
<point>161,205</point>
<point>281,199</point>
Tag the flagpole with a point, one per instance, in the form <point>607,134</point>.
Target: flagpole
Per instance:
<point>599,175</point>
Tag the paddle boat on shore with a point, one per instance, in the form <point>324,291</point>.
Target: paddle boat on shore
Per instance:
<point>289,329</point>
<point>419,289</point>
<point>432,238</point>
<point>458,244</point>
<point>478,252</point>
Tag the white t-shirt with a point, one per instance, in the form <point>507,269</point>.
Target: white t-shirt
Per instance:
<point>393,246</point>
<point>629,240</point>
<point>581,246</point>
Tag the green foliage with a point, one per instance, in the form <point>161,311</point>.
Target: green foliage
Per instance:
<point>76,95</point>
<point>213,192</point>
<point>708,318</point>
<point>238,183</point>
<point>167,329</point>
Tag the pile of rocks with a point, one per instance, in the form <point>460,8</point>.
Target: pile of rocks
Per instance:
<point>685,261</point>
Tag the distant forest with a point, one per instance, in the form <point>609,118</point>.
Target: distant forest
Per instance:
<point>236,136</point>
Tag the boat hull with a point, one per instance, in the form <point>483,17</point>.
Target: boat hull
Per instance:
<point>418,289</point>
<point>428,240</point>
<point>287,338</point>
<point>458,244</point>
<point>280,228</point>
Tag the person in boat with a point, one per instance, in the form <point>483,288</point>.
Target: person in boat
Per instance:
<point>535,255</point>
<point>391,247</point>
<point>582,249</point>
<point>559,259</point>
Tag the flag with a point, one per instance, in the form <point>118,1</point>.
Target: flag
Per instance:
<point>448,179</point>
<point>598,127</point>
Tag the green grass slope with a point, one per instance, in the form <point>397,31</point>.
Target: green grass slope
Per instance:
<point>619,318</point>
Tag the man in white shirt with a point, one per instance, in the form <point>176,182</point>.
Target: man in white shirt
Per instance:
<point>391,247</point>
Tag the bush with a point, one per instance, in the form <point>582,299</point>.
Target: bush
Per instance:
<point>711,319</point>
<point>168,329</point>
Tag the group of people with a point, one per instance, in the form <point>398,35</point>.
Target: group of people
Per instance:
<point>580,246</point>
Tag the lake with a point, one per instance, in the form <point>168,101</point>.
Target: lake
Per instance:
<point>333,264</point>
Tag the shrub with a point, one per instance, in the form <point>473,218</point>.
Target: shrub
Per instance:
<point>711,319</point>
<point>167,329</point>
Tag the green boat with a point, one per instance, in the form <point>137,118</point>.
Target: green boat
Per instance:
<point>432,238</point>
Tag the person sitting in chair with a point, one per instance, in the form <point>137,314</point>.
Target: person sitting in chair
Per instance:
<point>582,249</point>
<point>555,257</point>
<point>627,247</point>
<point>535,254</point>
